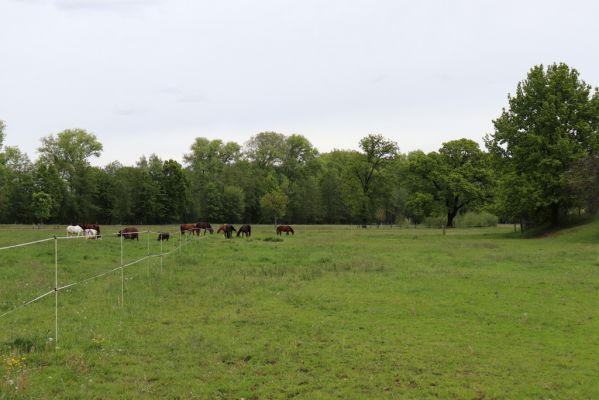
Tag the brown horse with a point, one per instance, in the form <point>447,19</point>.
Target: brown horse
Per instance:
<point>284,228</point>
<point>129,233</point>
<point>205,226</point>
<point>227,229</point>
<point>189,228</point>
<point>90,226</point>
<point>246,230</point>
<point>164,236</point>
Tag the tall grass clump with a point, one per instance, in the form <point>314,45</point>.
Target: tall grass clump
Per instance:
<point>437,221</point>
<point>476,220</point>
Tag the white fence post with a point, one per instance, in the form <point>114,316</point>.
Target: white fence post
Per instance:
<point>148,265</point>
<point>55,292</point>
<point>122,276</point>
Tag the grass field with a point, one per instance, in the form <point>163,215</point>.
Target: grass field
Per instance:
<point>332,312</point>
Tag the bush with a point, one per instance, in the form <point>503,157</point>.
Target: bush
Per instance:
<point>476,220</point>
<point>435,221</point>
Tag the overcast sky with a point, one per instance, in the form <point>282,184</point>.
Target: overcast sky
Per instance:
<point>149,76</point>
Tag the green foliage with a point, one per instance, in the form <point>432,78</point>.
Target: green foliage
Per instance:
<point>377,149</point>
<point>435,221</point>
<point>419,206</point>
<point>42,205</point>
<point>476,220</point>
<point>582,183</point>
<point>377,152</point>
<point>212,207</point>
<point>267,149</point>
<point>2,133</point>
<point>552,122</point>
<point>274,204</point>
<point>175,187</point>
<point>455,177</point>
<point>70,150</point>
<point>541,164</point>
<point>233,200</point>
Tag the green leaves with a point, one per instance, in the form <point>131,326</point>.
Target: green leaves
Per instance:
<point>551,123</point>
<point>455,177</point>
<point>42,205</point>
<point>70,149</point>
<point>274,204</point>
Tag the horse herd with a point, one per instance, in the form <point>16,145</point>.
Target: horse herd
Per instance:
<point>92,231</point>
<point>228,229</point>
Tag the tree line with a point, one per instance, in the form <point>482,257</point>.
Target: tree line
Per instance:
<point>540,164</point>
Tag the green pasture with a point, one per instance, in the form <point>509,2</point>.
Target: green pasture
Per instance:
<point>332,312</point>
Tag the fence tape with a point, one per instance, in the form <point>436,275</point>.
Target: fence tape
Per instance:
<point>28,302</point>
<point>25,244</point>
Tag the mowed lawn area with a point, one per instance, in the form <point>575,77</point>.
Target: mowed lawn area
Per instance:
<point>332,312</point>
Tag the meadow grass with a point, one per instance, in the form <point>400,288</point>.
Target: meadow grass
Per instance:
<point>332,312</point>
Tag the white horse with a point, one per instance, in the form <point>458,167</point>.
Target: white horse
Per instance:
<point>91,234</point>
<point>75,230</point>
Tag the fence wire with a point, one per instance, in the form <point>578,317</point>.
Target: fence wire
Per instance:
<point>121,267</point>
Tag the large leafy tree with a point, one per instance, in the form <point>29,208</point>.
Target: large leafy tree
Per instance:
<point>301,168</point>
<point>208,157</point>
<point>19,186</point>
<point>42,206</point>
<point>233,201</point>
<point>551,123</point>
<point>341,193</point>
<point>175,187</point>
<point>274,204</point>
<point>69,152</point>
<point>377,152</point>
<point>206,164</point>
<point>267,149</point>
<point>455,177</point>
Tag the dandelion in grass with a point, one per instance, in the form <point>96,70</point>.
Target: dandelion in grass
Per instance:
<point>14,362</point>
<point>98,341</point>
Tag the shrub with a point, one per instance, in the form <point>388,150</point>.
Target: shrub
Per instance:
<point>435,221</point>
<point>476,220</point>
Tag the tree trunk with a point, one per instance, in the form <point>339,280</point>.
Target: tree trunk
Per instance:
<point>450,216</point>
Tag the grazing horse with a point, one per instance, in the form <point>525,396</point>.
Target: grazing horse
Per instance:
<point>227,229</point>
<point>129,233</point>
<point>205,226</point>
<point>189,228</point>
<point>91,234</point>
<point>96,227</point>
<point>246,230</point>
<point>284,228</point>
<point>75,230</point>
<point>163,236</point>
